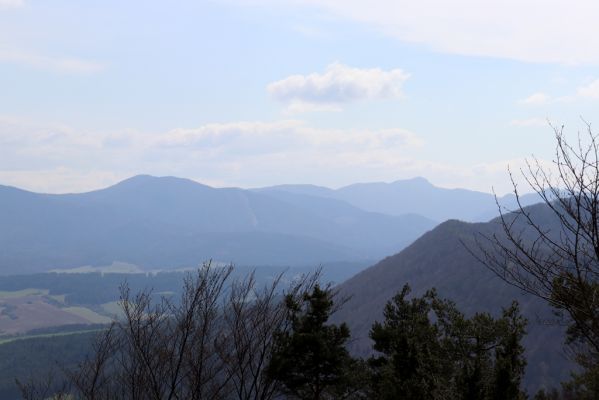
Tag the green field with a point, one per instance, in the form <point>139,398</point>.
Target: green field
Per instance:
<point>26,310</point>
<point>46,335</point>
<point>59,298</point>
<point>5,294</point>
<point>92,316</point>
<point>112,308</point>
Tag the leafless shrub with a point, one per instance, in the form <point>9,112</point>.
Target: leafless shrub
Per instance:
<point>552,251</point>
<point>213,342</point>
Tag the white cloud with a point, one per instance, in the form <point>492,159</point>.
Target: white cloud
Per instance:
<point>339,84</point>
<point>236,152</point>
<point>536,99</point>
<point>60,64</point>
<point>11,3</point>
<point>58,158</point>
<point>555,31</point>
<point>590,91</point>
<point>30,145</point>
<point>530,122</point>
<point>310,31</point>
<point>288,135</point>
<point>299,107</point>
<point>61,179</point>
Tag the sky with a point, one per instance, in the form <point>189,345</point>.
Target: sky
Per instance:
<point>253,93</point>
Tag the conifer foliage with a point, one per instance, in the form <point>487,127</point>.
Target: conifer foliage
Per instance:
<point>310,359</point>
<point>429,350</point>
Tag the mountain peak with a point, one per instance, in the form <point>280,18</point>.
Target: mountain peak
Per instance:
<point>144,179</point>
<point>137,178</point>
<point>418,180</point>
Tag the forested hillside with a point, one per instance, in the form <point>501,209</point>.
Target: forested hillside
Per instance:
<point>441,259</point>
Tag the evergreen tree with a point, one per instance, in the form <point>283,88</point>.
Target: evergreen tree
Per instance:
<point>509,361</point>
<point>477,337</point>
<point>412,363</point>
<point>310,359</point>
<point>429,350</point>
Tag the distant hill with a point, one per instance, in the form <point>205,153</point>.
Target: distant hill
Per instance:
<point>417,196</point>
<point>171,222</point>
<point>440,259</point>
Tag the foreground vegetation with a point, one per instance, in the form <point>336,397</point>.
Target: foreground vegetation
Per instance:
<point>229,338</point>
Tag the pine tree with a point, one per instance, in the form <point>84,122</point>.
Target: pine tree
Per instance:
<point>429,350</point>
<point>412,363</point>
<point>509,361</point>
<point>310,359</point>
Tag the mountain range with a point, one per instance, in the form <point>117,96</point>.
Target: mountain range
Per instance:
<point>171,222</point>
<point>416,196</point>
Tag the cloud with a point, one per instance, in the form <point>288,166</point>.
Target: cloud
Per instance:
<point>55,157</point>
<point>272,137</point>
<point>553,31</point>
<point>338,85</point>
<point>59,64</point>
<point>251,151</point>
<point>530,122</point>
<point>299,107</point>
<point>61,179</point>
<point>310,31</point>
<point>589,91</point>
<point>536,99</point>
<point>32,145</point>
<point>11,4</point>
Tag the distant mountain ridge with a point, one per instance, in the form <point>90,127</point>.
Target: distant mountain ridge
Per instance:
<point>172,222</point>
<point>416,196</point>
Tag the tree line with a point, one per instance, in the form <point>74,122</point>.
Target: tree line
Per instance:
<point>229,339</point>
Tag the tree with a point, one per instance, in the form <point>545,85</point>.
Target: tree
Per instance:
<point>429,350</point>
<point>213,342</point>
<point>412,361</point>
<point>310,359</point>
<point>552,251</point>
<point>509,361</point>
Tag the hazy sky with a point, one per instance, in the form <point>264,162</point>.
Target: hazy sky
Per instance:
<point>260,92</point>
